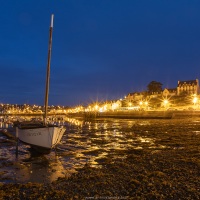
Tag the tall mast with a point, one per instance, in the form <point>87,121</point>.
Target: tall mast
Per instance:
<point>48,69</point>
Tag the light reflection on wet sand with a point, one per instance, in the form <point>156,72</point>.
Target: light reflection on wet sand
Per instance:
<point>101,140</point>
<point>85,142</point>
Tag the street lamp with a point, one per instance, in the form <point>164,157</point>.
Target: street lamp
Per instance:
<point>195,100</point>
<point>165,103</point>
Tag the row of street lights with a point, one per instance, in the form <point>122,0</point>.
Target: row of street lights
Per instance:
<point>144,105</point>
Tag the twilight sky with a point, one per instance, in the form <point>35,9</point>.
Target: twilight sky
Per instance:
<point>102,49</point>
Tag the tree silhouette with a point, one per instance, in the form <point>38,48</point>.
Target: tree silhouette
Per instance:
<point>154,87</point>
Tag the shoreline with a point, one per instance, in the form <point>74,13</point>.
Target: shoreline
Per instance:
<point>170,170</point>
<point>137,114</point>
<point>175,114</point>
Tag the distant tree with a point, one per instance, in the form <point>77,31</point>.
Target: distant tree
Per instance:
<point>154,86</point>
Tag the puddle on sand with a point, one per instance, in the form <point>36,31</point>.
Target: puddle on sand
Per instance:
<point>28,168</point>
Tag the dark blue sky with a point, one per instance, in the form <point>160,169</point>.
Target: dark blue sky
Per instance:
<point>102,49</point>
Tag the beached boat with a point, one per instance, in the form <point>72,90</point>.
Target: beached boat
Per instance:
<point>41,135</point>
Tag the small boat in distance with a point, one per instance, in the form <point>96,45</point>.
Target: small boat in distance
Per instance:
<point>39,134</point>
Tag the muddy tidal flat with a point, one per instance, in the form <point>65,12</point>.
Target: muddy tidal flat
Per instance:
<point>112,159</point>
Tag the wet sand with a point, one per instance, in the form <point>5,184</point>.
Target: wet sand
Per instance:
<point>164,165</point>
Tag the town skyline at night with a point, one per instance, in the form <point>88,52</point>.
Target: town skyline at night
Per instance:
<point>101,50</point>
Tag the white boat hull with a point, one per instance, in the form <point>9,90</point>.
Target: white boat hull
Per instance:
<point>45,137</point>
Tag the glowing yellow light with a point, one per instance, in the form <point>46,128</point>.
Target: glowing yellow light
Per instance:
<point>96,107</point>
<point>103,108</point>
<point>114,105</point>
<point>195,99</point>
<point>165,102</point>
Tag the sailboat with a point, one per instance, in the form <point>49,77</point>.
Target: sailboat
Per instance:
<point>41,135</point>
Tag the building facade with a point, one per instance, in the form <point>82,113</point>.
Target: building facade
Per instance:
<point>188,87</point>
<point>169,92</point>
<point>134,96</point>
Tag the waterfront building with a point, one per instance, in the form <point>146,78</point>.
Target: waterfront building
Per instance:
<point>135,96</point>
<point>169,92</point>
<point>188,87</point>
